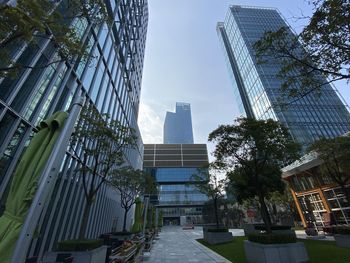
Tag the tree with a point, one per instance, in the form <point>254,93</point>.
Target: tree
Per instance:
<point>282,206</point>
<point>98,143</point>
<point>232,214</point>
<point>29,21</point>
<point>320,51</point>
<point>229,212</point>
<point>252,152</point>
<point>208,183</point>
<point>131,183</point>
<point>335,154</point>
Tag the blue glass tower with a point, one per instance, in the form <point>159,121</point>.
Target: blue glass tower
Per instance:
<point>257,88</point>
<point>178,125</point>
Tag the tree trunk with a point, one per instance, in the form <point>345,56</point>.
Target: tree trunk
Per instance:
<point>125,216</point>
<point>85,219</point>
<point>216,212</point>
<point>265,213</point>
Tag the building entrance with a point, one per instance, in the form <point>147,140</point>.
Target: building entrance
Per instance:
<point>168,221</point>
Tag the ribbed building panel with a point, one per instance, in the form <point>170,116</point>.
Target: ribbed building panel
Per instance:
<point>111,81</point>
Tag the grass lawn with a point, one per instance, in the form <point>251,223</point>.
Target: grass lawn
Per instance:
<point>233,251</point>
<point>319,251</point>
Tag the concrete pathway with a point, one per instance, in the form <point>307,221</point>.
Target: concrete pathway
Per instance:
<point>176,245</point>
<point>301,234</point>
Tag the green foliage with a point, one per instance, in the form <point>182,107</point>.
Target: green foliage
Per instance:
<point>252,152</point>
<point>276,227</point>
<point>246,185</point>
<point>33,20</point>
<point>282,206</point>
<point>218,230</point>
<point>321,49</point>
<point>137,226</point>
<point>272,238</point>
<point>233,251</point>
<point>79,244</point>
<point>160,218</point>
<point>207,181</point>
<point>131,183</point>
<point>319,251</point>
<point>101,142</point>
<point>151,217</point>
<point>98,144</point>
<point>335,154</point>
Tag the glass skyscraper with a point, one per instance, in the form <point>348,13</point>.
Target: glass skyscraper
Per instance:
<point>178,125</point>
<point>257,88</point>
<point>110,80</point>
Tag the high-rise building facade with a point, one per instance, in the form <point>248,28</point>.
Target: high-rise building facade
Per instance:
<point>178,125</point>
<point>110,80</point>
<point>173,166</point>
<point>257,88</point>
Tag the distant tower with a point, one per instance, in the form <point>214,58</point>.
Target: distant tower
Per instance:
<point>178,125</point>
<point>257,88</point>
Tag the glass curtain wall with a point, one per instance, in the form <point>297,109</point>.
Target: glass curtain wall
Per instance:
<point>257,88</point>
<point>111,81</point>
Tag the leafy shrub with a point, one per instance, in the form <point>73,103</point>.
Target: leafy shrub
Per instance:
<point>216,230</point>
<point>342,230</point>
<point>79,244</point>
<point>122,233</point>
<point>272,238</point>
<point>263,228</point>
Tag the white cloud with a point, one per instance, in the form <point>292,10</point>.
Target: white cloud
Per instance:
<point>150,124</point>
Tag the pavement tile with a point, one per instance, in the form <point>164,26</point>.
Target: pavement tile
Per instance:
<point>178,245</point>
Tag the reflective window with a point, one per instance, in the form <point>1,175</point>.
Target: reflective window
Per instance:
<point>175,174</point>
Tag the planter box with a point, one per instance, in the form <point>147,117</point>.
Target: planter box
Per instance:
<point>96,255</point>
<point>342,240</point>
<point>252,229</point>
<point>121,235</point>
<point>275,253</point>
<point>217,237</point>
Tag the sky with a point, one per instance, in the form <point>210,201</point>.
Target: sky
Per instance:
<point>184,63</point>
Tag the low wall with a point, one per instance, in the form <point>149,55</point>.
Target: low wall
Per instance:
<point>342,240</point>
<point>275,253</point>
<point>97,255</point>
<point>217,237</point>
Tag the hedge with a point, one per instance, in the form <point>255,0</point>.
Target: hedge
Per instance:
<point>79,244</point>
<point>272,238</point>
<point>218,230</point>
<point>342,230</point>
<point>262,227</point>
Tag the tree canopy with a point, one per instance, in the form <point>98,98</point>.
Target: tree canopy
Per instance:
<point>335,154</point>
<point>31,21</point>
<point>208,182</point>
<point>252,153</point>
<point>98,144</point>
<point>320,51</point>
<point>131,183</point>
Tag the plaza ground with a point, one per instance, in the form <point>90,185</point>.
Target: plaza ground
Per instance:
<point>176,245</point>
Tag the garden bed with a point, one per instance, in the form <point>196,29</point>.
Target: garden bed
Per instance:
<point>318,251</point>
<point>217,235</point>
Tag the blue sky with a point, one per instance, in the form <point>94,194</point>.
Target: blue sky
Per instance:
<point>184,63</point>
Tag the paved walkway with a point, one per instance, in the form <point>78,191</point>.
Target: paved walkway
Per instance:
<point>176,245</point>
<point>301,234</point>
